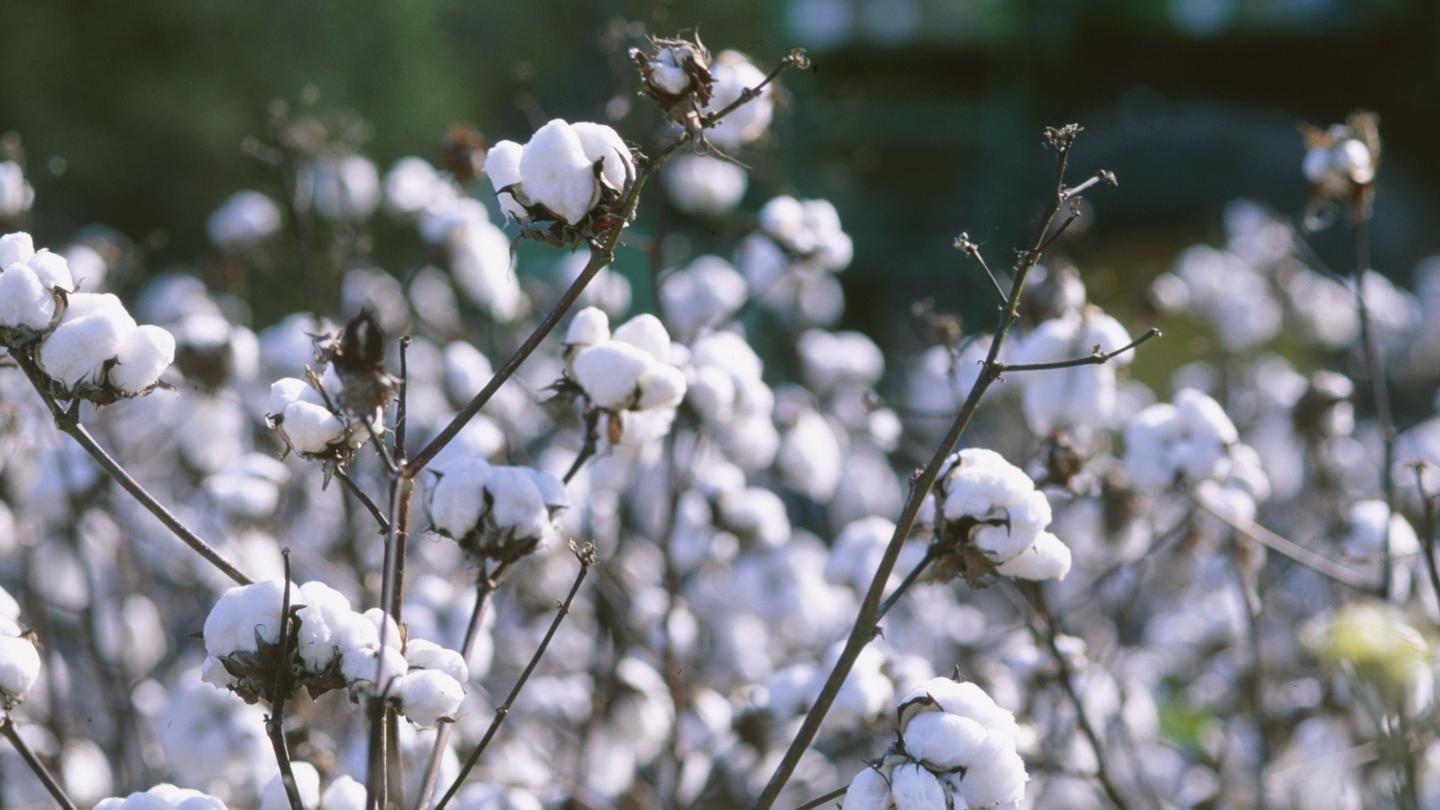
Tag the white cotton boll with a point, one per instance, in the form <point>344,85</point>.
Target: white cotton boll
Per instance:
<point>16,248</point>
<point>245,218</point>
<point>341,188</point>
<point>810,457</point>
<point>9,608</point>
<point>345,793</point>
<point>428,696</point>
<point>944,741</point>
<point>912,787</point>
<point>1047,558</point>
<point>518,505</point>
<point>24,300</point>
<point>1203,413</point>
<point>502,165</point>
<point>610,372</point>
<point>867,791</point>
<point>841,358</point>
<point>755,513</point>
<point>324,612</point>
<point>201,802</point>
<point>783,217</point>
<point>704,186</point>
<point>600,142</point>
<point>556,173</point>
<point>16,193</point>
<point>733,74</point>
<point>964,699</point>
<point>307,783</point>
<point>645,331</point>
<point>707,292</point>
<point>242,615</point>
<point>19,668</point>
<point>711,392</point>
<point>661,387</point>
<point>143,357</point>
<point>85,769</point>
<point>484,270</point>
<point>456,502</point>
<point>291,389</point>
<point>589,327</point>
<point>998,776</point>
<point>448,213</point>
<point>91,332</point>
<point>311,428</point>
<point>424,654</point>
<point>52,269</point>
<point>411,185</point>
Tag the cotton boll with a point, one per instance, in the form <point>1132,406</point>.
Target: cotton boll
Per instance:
<point>245,218</point>
<point>704,294</point>
<point>912,787</point>
<point>734,74</point>
<point>484,270</point>
<point>24,300</point>
<point>600,142</point>
<point>16,193</point>
<point>428,696</point>
<point>869,790</point>
<point>143,357</point>
<point>411,185</point>
<point>998,776</point>
<point>243,615</point>
<point>307,782</point>
<point>648,333</point>
<point>556,173</point>
<point>91,332</point>
<point>502,165</point>
<point>518,505</point>
<point>311,428</point>
<point>16,248</point>
<point>704,186</point>
<point>810,457</point>
<point>340,188</point>
<point>19,668</point>
<point>424,654</point>
<point>456,503</point>
<point>589,327</point>
<point>345,793</point>
<point>841,358</point>
<point>944,741</point>
<point>661,387</point>
<point>1047,558</point>
<point>610,372</point>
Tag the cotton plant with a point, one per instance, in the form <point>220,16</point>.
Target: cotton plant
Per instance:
<point>955,748</point>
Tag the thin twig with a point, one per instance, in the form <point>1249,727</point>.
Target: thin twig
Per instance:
<point>1096,359</point>
<point>1248,596</point>
<point>864,628</point>
<point>279,689</point>
<point>795,58</point>
<point>932,553</point>
<point>1379,389</point>
<point>965,245</point>
<point>7,728</point>
<point>586,555</point>
<point>365,500</point>
<point>1289,548</point>
<point>1035,595</point>
<point>819,800</point>
<point>69,424</point>
<point>592,443</point>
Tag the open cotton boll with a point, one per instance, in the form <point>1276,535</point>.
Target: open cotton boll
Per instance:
<point>705,293</point>
<point>246,217</point>
<point>646,332</point>
<point>556,173</point>
<point>422,654</point>
<point>325,611</point>
<point>52,270</point>
<point>24,300</point>
<point>869,790</point>
<point>1047,558</point>
<point>428,696</point>
<point>502,165</point>
<point>484,270</point>
<point>840,358</point>
<point>345,793</point>
<point>589,327</point>
<point>307,782</point>
<point>998,776</point>
<point>600,142</point>
<point>411,185</point>
<point>661,387</point>
<point>19,668</point>
<point>311,428</point>
<point>143,357</point>
<point>912,787</point>
<point>704,186</point>
<point>456,503</point>
<point>165,796</point>
<point>16,248</point>
<point>91,332</point>
<point>341,188</point>
<point>944,741</point>
<point>244,615</point>
<point>518,505</point>
<point>610,372</point>
<point>810,456</point>
<point>291,389</point>
<point>734,74</point>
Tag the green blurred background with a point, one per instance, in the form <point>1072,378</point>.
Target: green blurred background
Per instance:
<point>920,119</point>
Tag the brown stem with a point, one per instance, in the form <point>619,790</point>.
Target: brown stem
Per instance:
<point>819,800</point>
<point>279,689</point>
<point>1245,583</point>
<point>1379,390</point>
<point>1096,359</point>
<point>365,500</point>
<point>7,728</point>
<point>69,424</point>
<point>865,626</point>
<point>586,555</point>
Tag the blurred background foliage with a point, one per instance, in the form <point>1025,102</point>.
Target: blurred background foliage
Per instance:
<point>921,118</point>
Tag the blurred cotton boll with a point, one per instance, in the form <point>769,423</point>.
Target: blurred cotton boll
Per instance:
<point>340,188</point>
<point>246,218</point>
<point>704,186</point>
<point>16,193</point>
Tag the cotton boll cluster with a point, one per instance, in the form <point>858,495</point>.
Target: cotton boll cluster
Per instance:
<point>19,660</point>
<point>16,193</point>
<point>28,284</point>
<point>724,387</point>
<point>702,295</point>
<point>164,796</point>
<point>245,219</point>
<point>303,414</point>
<point>1190,440</point>
<point>629,370</point>
<point>1226,291</point>
<point>704,186</point>
<point>810,454</point>
<point>831,360</point>
<point>495,511</point>
<point>991,513</point>
<point>734,73</point>
<point>790,260</point>
<point>565,174</point>
<point>1077,400</point>
<point>341,188</point>
<point>957,748</point>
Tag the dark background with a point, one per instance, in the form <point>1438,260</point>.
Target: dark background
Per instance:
<point>921,118</point>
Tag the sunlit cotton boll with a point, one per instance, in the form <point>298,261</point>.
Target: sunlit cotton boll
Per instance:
<point>167,797</point>
<point>704,186</point>
<point>245,218</point>
<point>340,188</point>
<point>411,185</point>
<point>702,295</point>
<point>556,169</point>
<point>484,270</point>
<point>734,74</point>
<point>16,193</point>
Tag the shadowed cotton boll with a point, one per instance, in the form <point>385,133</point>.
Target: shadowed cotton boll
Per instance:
<point>245,218</point>
<point>340,188</point>
<point>704,186</point>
